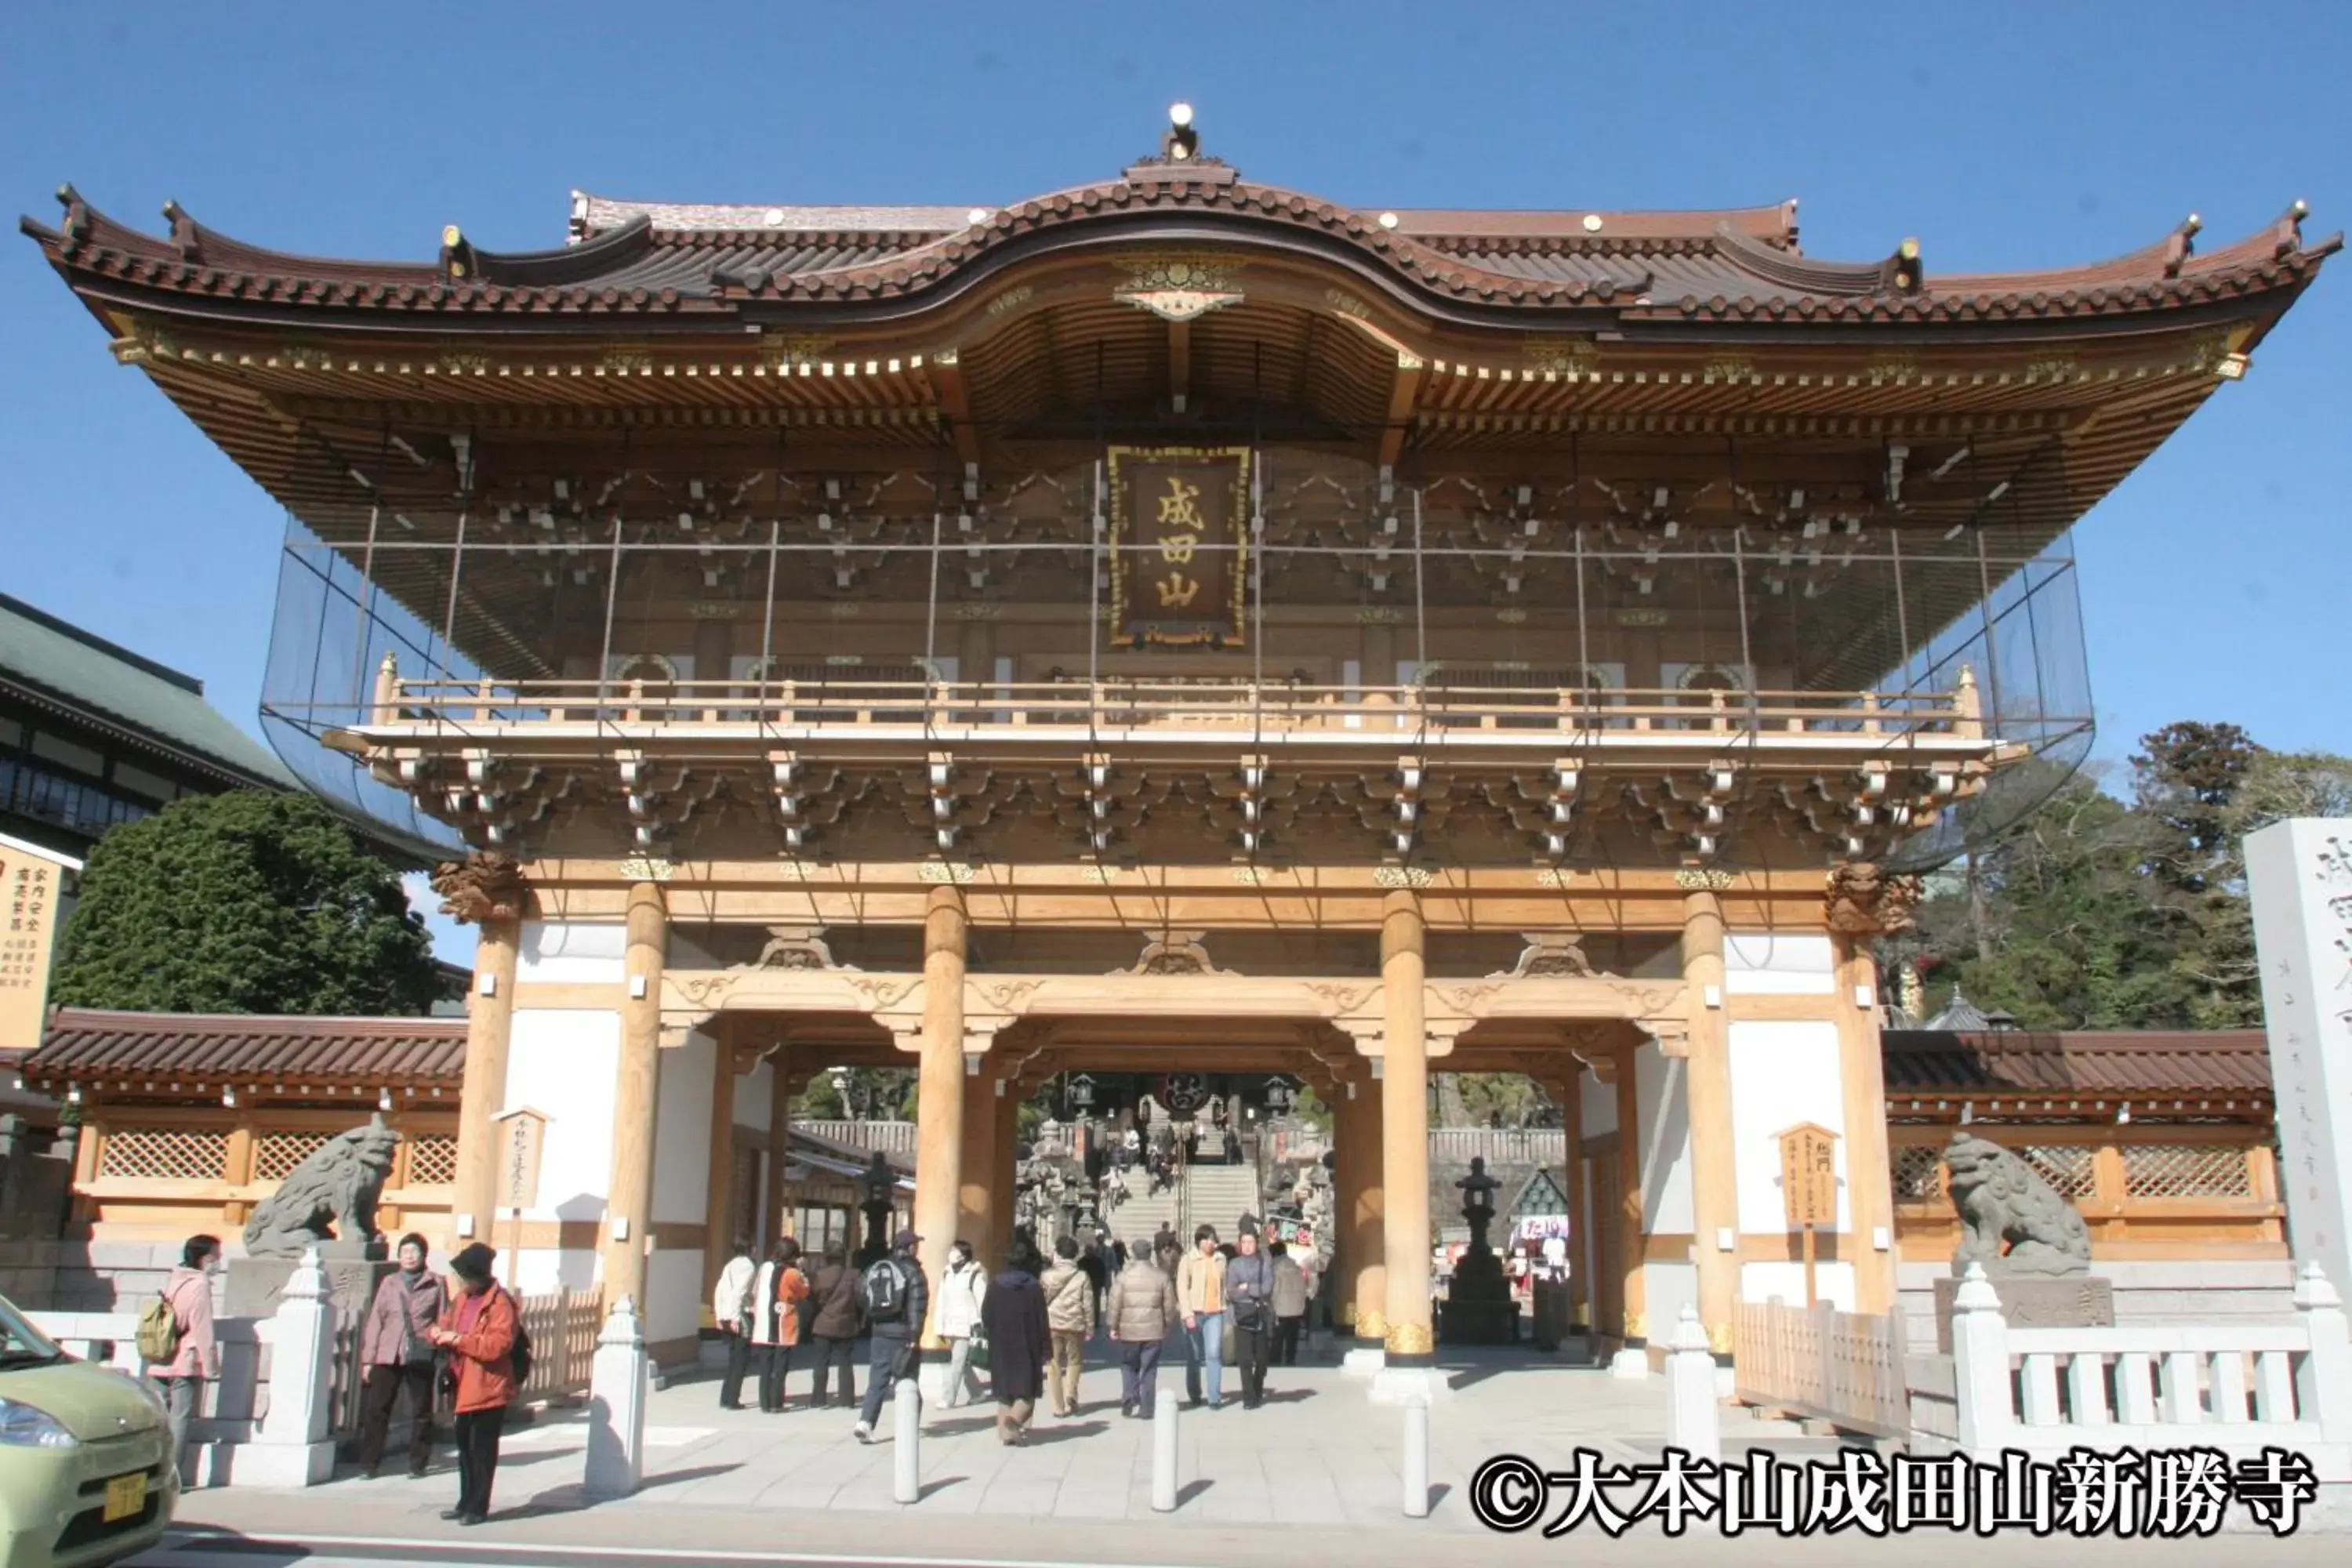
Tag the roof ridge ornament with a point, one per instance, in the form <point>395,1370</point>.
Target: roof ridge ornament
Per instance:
<point>1178,157</point>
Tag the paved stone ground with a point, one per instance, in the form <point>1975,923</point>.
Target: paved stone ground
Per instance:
<point>1319,1460</point>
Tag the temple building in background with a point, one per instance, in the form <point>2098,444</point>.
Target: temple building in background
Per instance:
<point>1182,624</point>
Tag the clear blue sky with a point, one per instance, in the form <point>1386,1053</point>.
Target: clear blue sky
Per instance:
<point>2002,135</point>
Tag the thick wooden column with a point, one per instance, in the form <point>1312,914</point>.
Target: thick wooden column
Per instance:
<point>780,1150</point>
<point>940,1090</point>
<point>1633,1245</point>
<point>976,1195</point>
<point>1869,1175</point>
<point>719,1196</point>
<point>1404,1131</point>
<point>1707,1088</point>
<point>1571,1093</point>
<point>1367,1223</point>
<point>1004,1175</point>
<point>629,1200</point>
<point>489,891</point>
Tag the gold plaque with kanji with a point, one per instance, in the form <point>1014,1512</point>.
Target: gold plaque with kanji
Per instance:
<point>1179,546</point>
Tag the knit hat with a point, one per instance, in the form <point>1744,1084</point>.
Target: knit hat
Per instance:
<point>473,1262</point>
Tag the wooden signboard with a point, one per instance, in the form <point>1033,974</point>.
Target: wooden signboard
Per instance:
<point>32,881</point>
<point>522,1135</point>
<point>1179,549</point>
<point>1809,1185</point>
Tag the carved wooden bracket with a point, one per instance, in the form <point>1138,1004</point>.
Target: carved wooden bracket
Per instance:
<point>484,886</point>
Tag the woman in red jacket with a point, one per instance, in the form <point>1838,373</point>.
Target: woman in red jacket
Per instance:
<point>478,1331</point>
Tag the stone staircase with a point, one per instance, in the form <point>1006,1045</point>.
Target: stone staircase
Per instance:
<point>1218,1196</point>
<point>1143,1215</point>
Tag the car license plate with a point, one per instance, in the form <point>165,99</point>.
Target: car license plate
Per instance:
<point>125,1496</point>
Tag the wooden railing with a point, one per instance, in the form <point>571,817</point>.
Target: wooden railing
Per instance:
<point>1846,1368</point>
<point>1127,703</point>
<point>562,1326</point>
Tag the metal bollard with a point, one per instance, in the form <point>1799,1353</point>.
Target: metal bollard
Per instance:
<point>1164,1452</point>
<point>1416,1458</point>
<point>907,1461</point>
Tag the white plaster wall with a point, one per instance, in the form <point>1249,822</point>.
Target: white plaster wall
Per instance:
<point>572,951</point>
<point>682,1130</point>
<point>562,1061</point>
<point>1659,1083</point>
<point>1833,1282</point>
<point>1596,1106</point>
<point>1665,1288</point>
<point>1786,964</point>
<point>545,1269</point>
<point>1781,1074</point>
<point>673,1294</point>
<point>752,1092</point>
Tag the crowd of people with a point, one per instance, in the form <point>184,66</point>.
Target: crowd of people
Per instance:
<point>430,1342</point>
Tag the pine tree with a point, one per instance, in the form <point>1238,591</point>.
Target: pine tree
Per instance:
<point>246,902</point>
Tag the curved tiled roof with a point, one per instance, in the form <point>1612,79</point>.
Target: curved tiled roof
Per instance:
<point>655,259</point>
<point>90,1046</point>
<point>2117,1064</point>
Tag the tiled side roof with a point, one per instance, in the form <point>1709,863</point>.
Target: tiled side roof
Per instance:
<point>68,668</point>
<point>2117,1064</point>
<point>89,1045</point>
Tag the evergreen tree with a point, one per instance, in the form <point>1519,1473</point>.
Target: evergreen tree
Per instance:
<point>246,902</point>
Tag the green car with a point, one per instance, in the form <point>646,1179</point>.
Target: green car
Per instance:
<point>87,1472</point>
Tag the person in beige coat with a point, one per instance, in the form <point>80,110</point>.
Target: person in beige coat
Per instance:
<point>1200,1291</point>
<point>1070,1319</point>
<point>1141,1310</point>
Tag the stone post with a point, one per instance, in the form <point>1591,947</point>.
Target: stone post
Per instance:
<point>487,891</point>
<point>629,1204</point>
<point>1163,1450</point>
<point>619,1381</point>
<point>1693,1418</point>
<point>2322,1382</point>
<point>292,1449</point>
<point>907,1442</point>
<point>1415,1459</point>
<point>1981,1383</point>
<point>2297,876</point>
<point>939,1088</point>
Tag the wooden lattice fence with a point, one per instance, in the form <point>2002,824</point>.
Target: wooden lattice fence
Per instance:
<point>1846,1368</point>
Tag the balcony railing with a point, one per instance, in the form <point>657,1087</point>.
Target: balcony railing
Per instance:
<point>1131,708</point>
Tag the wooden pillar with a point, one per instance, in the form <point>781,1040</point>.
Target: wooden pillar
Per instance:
<point>1570,1092</point>
<point>1869,1167</point>
<point>975,1216</point>
<point>1715,1184</point>
<point>1366,1224</point>
<point>629,1203</point>
<point>938,1136</point>
<point>494,892</point>
<point>1005,1175</point>
<point>1404,1131</point>
<point>1633,1246</point>
<point>779,1151</point>
<point>719,1196</point>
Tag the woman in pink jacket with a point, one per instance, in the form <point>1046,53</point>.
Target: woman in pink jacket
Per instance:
<point>197,1359</point>
<point>396,1354</point>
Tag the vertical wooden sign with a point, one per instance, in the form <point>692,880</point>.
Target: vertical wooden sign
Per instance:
<point>1808,1186</point>
<point>1179,546</point>
<point>522,1136</point>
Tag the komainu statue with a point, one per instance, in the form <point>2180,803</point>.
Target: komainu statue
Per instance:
<point>328,1196</point>
<point>2010,1218</point>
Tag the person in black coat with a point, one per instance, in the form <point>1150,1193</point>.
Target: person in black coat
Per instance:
<point>1012,1316</point>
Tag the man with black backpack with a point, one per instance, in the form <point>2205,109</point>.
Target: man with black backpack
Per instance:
<point>896,1296</point>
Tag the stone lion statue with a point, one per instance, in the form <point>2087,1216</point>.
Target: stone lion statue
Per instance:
<point>2010,1218</point>
<point>331,1195</point>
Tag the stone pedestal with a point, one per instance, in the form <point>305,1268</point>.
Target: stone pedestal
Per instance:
<point>2034,1301</point>
<point>617,1390</point>
<point>253,1287</point>
<point>1478,1308</point>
